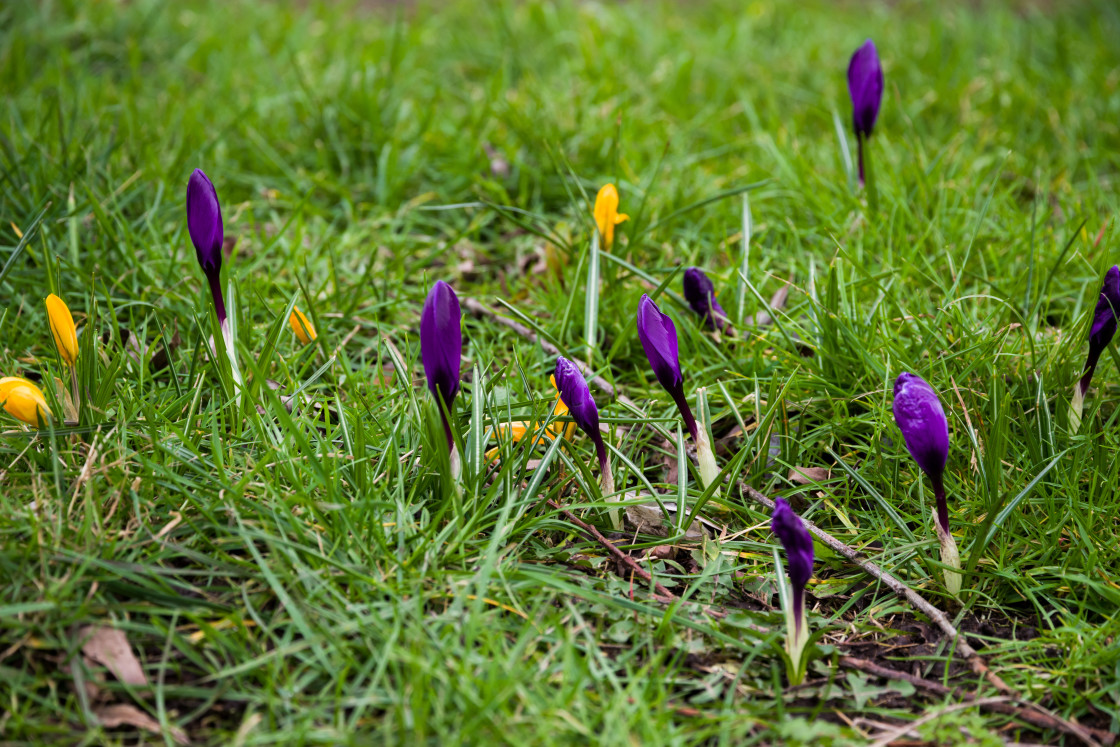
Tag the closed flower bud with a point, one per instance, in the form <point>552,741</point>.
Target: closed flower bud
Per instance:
<point>607,215</point>
<point>441,347</point>
<point>1104,323</point>
<point>305,332</point>
<point>22,400</point>
<point>798,546</point>
<point>581,406</point>
<point>701,297</point>
<point>658,336</point>
<point>865,85</point>
<point>204,223</point>
<point>63,329</point>
<point>920,417</point>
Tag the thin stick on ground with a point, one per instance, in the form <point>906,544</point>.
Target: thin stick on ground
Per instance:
<point>619,555</point>
<point>1032,715</point>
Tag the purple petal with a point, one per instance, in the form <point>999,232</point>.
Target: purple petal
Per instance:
<point>659,340</point>
<point>865,85</point>
<point>204,222</point>
<point>577,396</point>
<point>441,342</point>
<point>700,294</point>
<point>920,417</point>
<point>796,541</point>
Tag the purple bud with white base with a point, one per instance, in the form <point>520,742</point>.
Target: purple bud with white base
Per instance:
<point>658,335</point>
<point>920,417</point>
<point>575,393</point>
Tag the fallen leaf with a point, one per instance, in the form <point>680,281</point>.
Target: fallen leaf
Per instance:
<point>109,647</point>
<point>807,475</point>
<point>123,714</point>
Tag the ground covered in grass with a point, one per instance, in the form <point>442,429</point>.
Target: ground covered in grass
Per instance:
<point>187,564</point>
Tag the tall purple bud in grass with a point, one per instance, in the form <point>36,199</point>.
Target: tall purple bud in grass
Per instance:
<point>204,223</point>
<point>701,297</point>
<point>581,406</point>
<point>920,417</point>
<point>865,85</point>
<point>798,545</point>
<point>1100,335</point>
<point>658,335</point>
<point>441,349</point>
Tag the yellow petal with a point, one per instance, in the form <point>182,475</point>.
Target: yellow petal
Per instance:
<point>23,400</point>
<point>62,327</point>
<point>621,218</point>
<point>303,329</point>
<point>606,213</point>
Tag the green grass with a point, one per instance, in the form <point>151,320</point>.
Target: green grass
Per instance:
<point>313,578</point>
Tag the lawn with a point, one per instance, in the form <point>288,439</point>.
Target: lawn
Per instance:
<point>189,559</point>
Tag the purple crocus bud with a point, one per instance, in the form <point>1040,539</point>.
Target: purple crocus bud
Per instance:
<point>920,417</point>
<point>1104,324</point>
<point>441,348</point>
<point>204,223</point>
<point>575,394</point>
<point>659,340</point>
<point>798,544</point>
<point>701,297</point>
<point>865,84</point>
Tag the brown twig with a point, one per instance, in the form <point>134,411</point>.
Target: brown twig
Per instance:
<point>479,309</point>
<point>619,555</point>
<point>1031,714</point>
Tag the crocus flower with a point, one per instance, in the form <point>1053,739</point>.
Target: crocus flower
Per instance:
<point>798,545</point>
<point>607,215</point>
<point>63,329</point>
<point>441,349</point>
<point>658,335</point>
<point>204,223</point>
<point>22,400</point>
<point>305,332</point>
<point>920,417</point>
<point>865,84</point>
<point>701,297</point>
<point>1100,335</point>
<point>581,406</point>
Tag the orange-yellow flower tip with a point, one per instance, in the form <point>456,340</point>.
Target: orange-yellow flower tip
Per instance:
<point>23,400</point>
<point>301,326</point>
<point>606,213</point>
<point>559,411</point>
<point>63,329</point>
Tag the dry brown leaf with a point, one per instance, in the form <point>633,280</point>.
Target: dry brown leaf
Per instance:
<point>109,647</point>
<point>807,475</point>
<point>124,714</point>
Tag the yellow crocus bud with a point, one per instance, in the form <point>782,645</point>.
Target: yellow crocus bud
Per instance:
<point>63,329</point>
<point>606,213</point>
<point>301,326</point>
<point>23,400</point>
